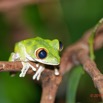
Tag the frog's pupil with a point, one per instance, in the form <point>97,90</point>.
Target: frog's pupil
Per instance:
<point>42,54</point>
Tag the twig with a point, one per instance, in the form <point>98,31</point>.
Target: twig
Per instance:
<point>75,54</point>
<point>6,5</point>
<point>50,82</point>
<point>91,68</point>
<point>13,66</point>
<point>79,54</point>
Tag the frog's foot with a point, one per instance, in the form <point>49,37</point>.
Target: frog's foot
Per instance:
<point>38,73</point>
<point>56,71</point>
<point>25,68</point>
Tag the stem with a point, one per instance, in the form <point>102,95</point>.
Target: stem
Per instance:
<point>73,83</point>
<point>91,39</point>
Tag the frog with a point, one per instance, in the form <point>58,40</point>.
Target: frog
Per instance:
<point>38,50</point>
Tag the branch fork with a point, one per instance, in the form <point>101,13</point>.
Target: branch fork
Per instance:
<point>77,53</point>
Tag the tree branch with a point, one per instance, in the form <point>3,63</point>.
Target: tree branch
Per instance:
<point>91,68</point>
<point>6,5</point>
<point>50,82</point>
<point>77,53</point>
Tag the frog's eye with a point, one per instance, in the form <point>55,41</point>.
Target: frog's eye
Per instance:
<point>60,46</point>
<point>41,53</point>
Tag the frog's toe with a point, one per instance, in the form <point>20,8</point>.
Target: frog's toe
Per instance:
<point>56,71</point>
<point>21,75</point>
<point>32,67</point>
<point>38,73</point>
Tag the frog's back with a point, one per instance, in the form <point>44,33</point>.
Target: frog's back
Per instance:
<point>28,43</point>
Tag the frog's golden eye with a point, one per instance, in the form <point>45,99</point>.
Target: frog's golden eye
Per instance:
<point>60,46</point>
<point>41,53</point>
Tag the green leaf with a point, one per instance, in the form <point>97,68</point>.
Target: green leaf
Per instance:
<point>73,83</point>
<point>91,39</point>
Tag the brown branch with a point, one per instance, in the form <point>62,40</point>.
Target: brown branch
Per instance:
<point>13,66</point>
<point>69,58</point>
<point>6,5</point>
<point>79,53</point>
<point>91,68</point>
<point>50,82</point>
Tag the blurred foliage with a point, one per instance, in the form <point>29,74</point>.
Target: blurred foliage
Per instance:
<point>66,20</point>
<point>73,83</point>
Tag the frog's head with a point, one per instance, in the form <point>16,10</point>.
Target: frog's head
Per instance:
<point>47,52</point>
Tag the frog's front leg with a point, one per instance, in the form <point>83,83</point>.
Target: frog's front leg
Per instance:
<point>39,71</point>
<point>26,66</point>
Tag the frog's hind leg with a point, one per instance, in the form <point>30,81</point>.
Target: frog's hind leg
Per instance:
<point>13,57</point>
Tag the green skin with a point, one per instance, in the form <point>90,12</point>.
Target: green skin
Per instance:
<point>30,46</point>
<point>27,50</point>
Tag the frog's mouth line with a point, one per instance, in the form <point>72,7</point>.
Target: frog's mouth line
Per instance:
<point>41,61</point>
